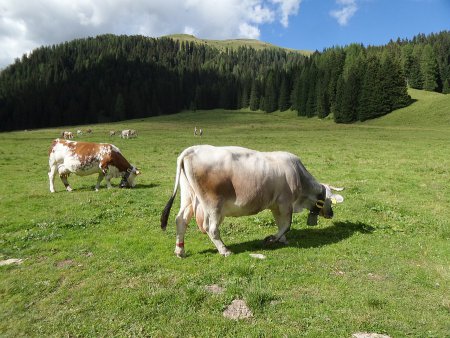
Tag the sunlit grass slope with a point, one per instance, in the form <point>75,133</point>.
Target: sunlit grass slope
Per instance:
<point>430,110</point>
<point>98,264</point>
<point>233,43</point>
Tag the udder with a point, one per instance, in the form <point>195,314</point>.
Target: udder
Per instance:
<point>199,217</point>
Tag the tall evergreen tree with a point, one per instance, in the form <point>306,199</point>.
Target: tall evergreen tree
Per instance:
<point>429,68</point>
<point>270,94</point>
<point>283,98</point>
<point>254,96</point>
<point>370,105</point>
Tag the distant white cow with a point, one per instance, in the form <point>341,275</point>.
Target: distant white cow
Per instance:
<point>195,131</point>
<point>112,133</point>
<point>200,132</point>
<point>128,133</point>
<point>79,132</point>
<point>216,182</point>
<point>67,135</point>
<point>125,133</point>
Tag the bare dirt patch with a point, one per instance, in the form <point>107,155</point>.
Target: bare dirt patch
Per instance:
<point>376,277</point>
<point>238,309</point>
<point>369,335</point>
<point>215,288</point>
<point>11,261</point>
<point>65,263</point>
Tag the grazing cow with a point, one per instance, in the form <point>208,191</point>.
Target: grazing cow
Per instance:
<point>89,131</point>
<point>216,182</point>
<point>87,158</point>
<point>195,131</point>
<point>67,135</point>
<point>128,133</point>
<point>200,132</point>
<point>79,132</point>
<point>112,133</point>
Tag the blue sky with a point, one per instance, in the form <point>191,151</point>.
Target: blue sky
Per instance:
<point>298,24</point>
<point>374,22</point>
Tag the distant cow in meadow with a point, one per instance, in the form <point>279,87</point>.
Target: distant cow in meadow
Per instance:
<point>67,135</point>
<point>216,182</point>
<point>128,133</point>
<point>112,133</point>
<point>88,131</point>
<point>79,132</point>
<point>87,158</point>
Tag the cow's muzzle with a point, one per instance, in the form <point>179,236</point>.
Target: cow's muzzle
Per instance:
<point>124,183</point>
<point>322,208</point>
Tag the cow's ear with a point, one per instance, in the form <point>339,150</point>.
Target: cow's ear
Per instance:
<point>336,198</point>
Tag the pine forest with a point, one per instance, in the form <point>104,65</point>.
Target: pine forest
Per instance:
<point>113,78</point>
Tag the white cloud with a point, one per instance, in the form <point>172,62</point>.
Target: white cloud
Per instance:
<point>287,8</point>
<point>25,25</point>
<point>347,10</point>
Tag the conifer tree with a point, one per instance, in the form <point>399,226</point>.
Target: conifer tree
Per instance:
<point>270,94</point>
<point>429,68</point>
<point>371,91</point>
<point>254,96</point>
<point>283,98</point>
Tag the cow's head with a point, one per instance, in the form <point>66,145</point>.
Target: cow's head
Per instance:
<point>324,203</point>
<point>128,179</point>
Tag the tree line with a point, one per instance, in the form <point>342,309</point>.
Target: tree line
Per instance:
<point>112,78</point>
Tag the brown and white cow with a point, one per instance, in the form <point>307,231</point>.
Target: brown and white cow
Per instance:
<point>67,135</point>
<point>87,158</point>
<point>216,182</point>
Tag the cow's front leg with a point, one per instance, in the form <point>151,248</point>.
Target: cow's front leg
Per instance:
<point>283,218</point>
<point>108,181</point>
<point>65,181</point>
<point>211,225</point>
<point>99,179</point>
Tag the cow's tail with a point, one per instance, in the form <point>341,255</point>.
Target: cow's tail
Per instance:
<point>166,211</point>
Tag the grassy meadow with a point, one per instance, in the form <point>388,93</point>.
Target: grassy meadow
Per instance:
<point>98,264</point>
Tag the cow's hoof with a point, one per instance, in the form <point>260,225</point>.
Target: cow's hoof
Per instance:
<point>69,189</point>
<point>270,240</point>
<point>226,253</point>
<point>180,254</point>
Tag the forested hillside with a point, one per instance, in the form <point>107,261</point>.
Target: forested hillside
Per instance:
<point>111,78</point>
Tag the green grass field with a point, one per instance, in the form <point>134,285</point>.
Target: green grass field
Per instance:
<point>98,264</point>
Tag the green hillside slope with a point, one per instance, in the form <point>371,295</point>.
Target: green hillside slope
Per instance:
<point>430,110</point>
<point>233,43</point>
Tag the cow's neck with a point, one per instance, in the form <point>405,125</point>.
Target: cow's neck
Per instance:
<point>121,163</point>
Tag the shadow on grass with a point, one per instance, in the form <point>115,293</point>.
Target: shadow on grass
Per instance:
<point>146,186</point>
<point>305,238</point>
<point>114,187</point>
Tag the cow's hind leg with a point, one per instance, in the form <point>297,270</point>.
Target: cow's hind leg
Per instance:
<point>283,218</point>
<point>51,177</point>
<point>183,217</point>
<point>211,225</point>
<point>182,220</point>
